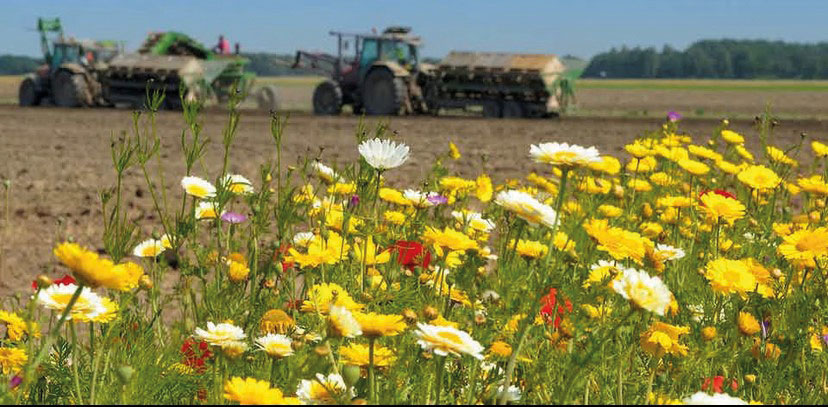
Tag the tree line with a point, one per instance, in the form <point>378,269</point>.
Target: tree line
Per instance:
<point>724,59</point>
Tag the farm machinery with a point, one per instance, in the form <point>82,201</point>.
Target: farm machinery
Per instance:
<point>381,74</point>
<point>78,73</point>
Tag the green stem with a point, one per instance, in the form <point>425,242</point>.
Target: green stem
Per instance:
<point>371,380</point>
<point>439,362</point>
<point>47,345</point>
<point>75,361</point>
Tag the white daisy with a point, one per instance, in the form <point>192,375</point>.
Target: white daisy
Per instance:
<point>149,248</point>
<point>643,290</point>
<point>564,155</point>
<point>341,322</point>
<point>275,345</point>
<point>237,184</point>
<point>512,393</point>
<point>326,173</point>
<point>318,391</point>
<point>528,208</point>
<point>57,296</point>
<point>219,334</point>
<point>206,210</point>
<point>445,340</point>
<point>666,252</point>
<point>198,187</point>
<point>475,220</point>
<point>719,399</point>
<point>303,239</point>
<point>383,154</point>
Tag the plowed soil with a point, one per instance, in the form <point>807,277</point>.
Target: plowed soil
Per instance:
<point>58,160</point>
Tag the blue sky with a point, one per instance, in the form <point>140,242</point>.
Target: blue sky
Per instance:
<point>579,27</point>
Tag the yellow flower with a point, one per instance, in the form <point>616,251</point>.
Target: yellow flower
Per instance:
<point>814,184</point>
<point>645,164</point>
<point>448,238</point>
<point>542,182</point>
<point>748,325</point>
<point>322,296</point>
<point>276,321</point>
<point>394,217</point>
<point>732,137</point>
<point>593,186</point>
<point>500,349</point>
<point>674,202</point>
<point>369,249</point>
<point>805,245</point>
<point>529,248</point>
<point>728,167</point>
<point>730,276</point>
<point>744,153</point>
<point>454,153</point>
<point>610,211</point>
<point>639,185</point>
<point>12,359</point>
<point>694,167</point>
<point>663,338</point>
<point>820,149</point>
<point>357,354</point>
<point>662,179</point>
<point>722,207</point>
<point>608,165</point>
<point>651,229</point>
<point>456,185</point>
<point>342,323</point>
<point>484,188</point>
<point>704,152</point>
<point>708,333</point>
<point>779,156</point>
<point>377,325</point>
<point>771,351</point>
<point>321,251</point>
<point>393,196</point>
<point>237,271</point>
<point>619,243</point>
<point>250,391</point>
<point>95,271</point>
<point>342,189</point>
<point>759,177</point>
<point>640,148</point>
<point>16,327</point>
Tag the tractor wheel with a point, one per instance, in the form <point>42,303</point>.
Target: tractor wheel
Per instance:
<point>267,99</point>
<point>491,110</point>
<point>512,109</point>
<point>27,94</point>
<point>327,99</point>
<point>70,90</point>
<point>383,93</point>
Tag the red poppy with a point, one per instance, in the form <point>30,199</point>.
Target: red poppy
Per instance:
<point>718,382</point>
<point>193,359</point>
<point>412,254</point>
<point>552,312</point>
<point>66,280</point>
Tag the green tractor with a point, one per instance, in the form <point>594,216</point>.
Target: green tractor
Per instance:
<point>381,74</point>
<point>71,74</point>
<point>169,59</point>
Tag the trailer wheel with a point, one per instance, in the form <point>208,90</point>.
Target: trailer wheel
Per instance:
<point>27,94</point>
<point>70,90</point>
<point>383,93</point>
<point>491,110</point>
<point>512,109</point>
<point>327,99</point>
<point>266,98</point>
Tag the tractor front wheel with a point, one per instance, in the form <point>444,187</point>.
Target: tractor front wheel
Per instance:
<point>383,93</point>
<point>327,99</point>
<point>266,98</point>
<point>27,94</point>
<point>70,90</point>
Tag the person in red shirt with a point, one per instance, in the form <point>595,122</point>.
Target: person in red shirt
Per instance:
<point>223,46</point>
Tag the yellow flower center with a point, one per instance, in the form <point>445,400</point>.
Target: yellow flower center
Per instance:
<point>450,336</point>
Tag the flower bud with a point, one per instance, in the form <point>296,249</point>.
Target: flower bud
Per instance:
<point>708,333</point>
<point>351,374</point>
<point>409,315</point>
<point>750,378</point>
<point>124,374</point>
<point>145,282</point>
<point>322,350</point>
<point>43,281</point>
<point>431,313</point>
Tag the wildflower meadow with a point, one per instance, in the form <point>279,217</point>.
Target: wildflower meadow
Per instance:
<point>689,269</point>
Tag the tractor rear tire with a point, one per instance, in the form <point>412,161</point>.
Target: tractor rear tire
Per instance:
<point>27,94</point>
<point>267,99</point>
<point>327,99</point>
<point>70,90</point>
<point>383,93</point>
<point>513,109</point>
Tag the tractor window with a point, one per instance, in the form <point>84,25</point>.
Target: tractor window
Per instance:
<point>396,51</point>
<point>369,52</point>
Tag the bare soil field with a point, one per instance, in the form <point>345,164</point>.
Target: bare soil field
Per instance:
<point>58,160</point>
